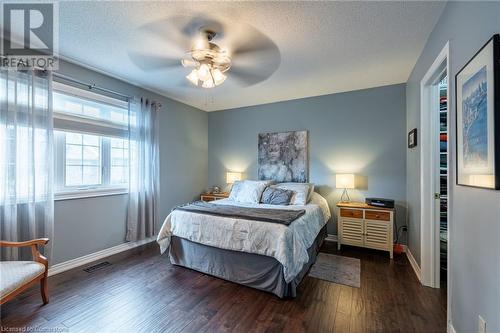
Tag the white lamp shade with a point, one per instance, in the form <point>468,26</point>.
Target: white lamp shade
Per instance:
<point>344,180</point>
<point>204,73</point>
<point>193,77</point>
<point>219,78</point>
<point>208,84</point>
<point>231,177</point>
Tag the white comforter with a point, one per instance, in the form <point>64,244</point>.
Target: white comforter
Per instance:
<point>288,245</point>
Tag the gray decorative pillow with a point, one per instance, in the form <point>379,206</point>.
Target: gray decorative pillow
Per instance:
<point>301,192</point>
<point>276,196</point>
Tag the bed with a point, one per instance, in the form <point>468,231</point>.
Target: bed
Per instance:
<point>267,256</point>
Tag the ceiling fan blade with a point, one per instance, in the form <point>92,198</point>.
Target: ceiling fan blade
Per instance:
<point>191,26</point>
<point>182,31</point>
<point>255,57</point>
<point>263,48</point>
<point>248,76</point>
<point>250,70</point>
<point>250,40</point>
<point>149,62</point>
<point>168,30</point>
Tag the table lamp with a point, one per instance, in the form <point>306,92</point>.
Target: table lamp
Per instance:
<point>231,177</point>
<point>344,181</point>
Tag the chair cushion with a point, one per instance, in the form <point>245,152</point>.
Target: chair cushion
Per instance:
<point>14,274</point>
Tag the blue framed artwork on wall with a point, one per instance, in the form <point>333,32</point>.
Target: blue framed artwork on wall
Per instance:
<point>478,118</point>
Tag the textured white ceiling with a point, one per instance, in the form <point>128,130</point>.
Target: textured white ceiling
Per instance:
<point>326,47</point>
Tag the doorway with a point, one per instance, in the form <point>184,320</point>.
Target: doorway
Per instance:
<point>434,173</point>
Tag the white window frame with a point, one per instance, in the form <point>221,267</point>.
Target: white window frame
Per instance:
<point>66,122</point>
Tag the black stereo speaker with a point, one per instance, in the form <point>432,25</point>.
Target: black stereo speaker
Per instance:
<point>380,202</point>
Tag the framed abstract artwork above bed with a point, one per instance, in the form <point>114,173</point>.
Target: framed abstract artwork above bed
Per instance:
<point>478,118</point>
<point>283,157</point>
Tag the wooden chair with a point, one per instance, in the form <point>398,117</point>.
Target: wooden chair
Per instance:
<point>17,276</point>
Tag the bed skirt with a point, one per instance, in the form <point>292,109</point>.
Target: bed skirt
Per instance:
<point>252,270</point>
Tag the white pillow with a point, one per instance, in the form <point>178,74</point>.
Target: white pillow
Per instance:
<point>248,191</point>
<point>317,199</point>
<point>302,192</point>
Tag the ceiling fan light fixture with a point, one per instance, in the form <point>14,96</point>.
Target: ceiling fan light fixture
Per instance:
<point>204,73</point>
<point>201,43</point>
<point>209,61</point>
<point>208,84</point>
<point>218,77</point>
<point>193,77</point>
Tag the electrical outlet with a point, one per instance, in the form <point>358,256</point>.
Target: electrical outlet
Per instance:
<point>482,325</point>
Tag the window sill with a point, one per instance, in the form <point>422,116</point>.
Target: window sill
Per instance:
<point>89,193</point>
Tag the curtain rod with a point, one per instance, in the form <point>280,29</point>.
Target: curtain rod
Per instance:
<point>91,86</point>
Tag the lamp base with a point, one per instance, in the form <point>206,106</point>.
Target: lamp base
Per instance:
<point>345,196</point>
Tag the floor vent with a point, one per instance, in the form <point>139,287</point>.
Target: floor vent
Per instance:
<point>97,267</point>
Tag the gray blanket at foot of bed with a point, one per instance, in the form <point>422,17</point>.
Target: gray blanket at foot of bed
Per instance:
<point>281,216</point>
<point>252,270</point>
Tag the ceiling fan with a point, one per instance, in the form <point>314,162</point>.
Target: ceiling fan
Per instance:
<point>214,50</point>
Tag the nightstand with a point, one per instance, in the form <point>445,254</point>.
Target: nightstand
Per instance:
<point>214,196</point>
<point>363,225</point>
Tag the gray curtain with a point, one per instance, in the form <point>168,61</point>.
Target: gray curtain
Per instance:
<point>26,157</point>
<point>144,169</point>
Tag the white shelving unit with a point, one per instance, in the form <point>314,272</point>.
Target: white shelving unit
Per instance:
<point>443,169</point>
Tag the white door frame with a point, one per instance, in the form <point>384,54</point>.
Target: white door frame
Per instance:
<point>429,167</point>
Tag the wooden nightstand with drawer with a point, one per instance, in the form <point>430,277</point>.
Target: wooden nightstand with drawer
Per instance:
<point>213,196</point>
<point>366,226</point>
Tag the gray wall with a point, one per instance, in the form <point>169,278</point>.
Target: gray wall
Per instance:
<point>475,213</point>
<point>361,132</point>
<point>84,226</point>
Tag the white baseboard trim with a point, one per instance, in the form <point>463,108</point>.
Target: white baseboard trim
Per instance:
<point>451,329</point>
<point>70,264</point>
<point>331,238</point>
<point>413,263</point>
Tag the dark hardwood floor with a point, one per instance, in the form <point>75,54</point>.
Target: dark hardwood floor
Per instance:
<point>143,292</point>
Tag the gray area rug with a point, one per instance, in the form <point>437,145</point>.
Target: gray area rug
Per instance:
<point>337,269</point>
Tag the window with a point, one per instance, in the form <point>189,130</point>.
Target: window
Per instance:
<point>89,109</point>
<point>119,161</point>
<point>91,143</point>
<point>83,159</point>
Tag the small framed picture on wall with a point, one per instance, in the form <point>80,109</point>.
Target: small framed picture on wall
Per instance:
<point>478,118</point>
<point>412,138</point>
